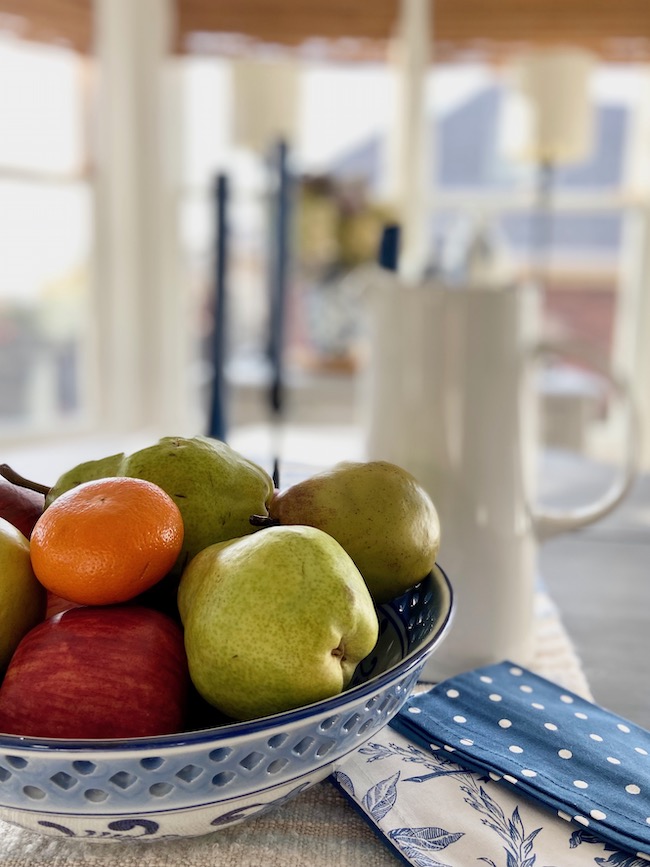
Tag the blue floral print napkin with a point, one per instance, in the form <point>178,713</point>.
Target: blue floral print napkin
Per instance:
<point>503,767</point>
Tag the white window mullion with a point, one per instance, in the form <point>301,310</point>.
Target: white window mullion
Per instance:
<point>411,136</point>
<point>137,293</point>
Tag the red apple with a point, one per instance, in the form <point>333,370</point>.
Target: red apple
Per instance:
<point>97,672</point>
<point>20,506</point>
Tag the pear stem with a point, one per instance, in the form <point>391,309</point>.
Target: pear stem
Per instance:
<point>263,521</point>
<point>16,479</point>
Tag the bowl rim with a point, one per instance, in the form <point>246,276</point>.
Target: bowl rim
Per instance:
<point>215,734</point>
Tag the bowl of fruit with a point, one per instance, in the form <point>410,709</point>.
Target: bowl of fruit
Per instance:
<point>183,646</point>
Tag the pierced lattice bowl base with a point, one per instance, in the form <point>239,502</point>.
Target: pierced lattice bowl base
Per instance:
<point>194,783</point>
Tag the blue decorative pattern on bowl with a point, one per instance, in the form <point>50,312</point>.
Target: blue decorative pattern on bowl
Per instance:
<point>194,783</point>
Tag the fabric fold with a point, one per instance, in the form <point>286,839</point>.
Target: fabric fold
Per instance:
<point>582,761</point>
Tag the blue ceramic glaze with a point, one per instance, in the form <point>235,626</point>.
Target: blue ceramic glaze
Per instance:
<point>197,782</point>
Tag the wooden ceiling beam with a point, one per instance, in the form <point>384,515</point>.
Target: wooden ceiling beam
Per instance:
<point>491,28</point>
<point>64,22</point>
<point>288,21</point>
<point>615,29</point>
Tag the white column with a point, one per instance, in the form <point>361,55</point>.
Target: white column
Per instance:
<point>631,352</point>
<point>138,294</point>
<point>413,152</point>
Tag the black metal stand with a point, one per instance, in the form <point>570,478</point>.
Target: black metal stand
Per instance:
<point>217,412</point>
<point>542,235</point>
<point>279,262</point>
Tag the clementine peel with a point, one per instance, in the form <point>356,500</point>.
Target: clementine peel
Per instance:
<point>106,541</point>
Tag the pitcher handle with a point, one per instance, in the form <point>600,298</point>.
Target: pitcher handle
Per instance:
<point>550,522</point>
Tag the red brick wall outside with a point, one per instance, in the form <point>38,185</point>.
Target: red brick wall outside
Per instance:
<point>586,314</point>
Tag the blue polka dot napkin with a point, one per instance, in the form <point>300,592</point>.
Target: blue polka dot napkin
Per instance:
<point>584,762</point>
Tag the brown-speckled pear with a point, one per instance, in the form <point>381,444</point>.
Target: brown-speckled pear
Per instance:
<point>274,621</point>
<point>378,512</point>
<point>214,486</point>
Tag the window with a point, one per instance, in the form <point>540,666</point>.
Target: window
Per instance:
<point>46,232</point>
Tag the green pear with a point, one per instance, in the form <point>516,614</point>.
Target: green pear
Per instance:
<point>215,487</point>
<point>378,512</point>
<point>274,621</point>
<point>22,598</point>
<point>89,471</point>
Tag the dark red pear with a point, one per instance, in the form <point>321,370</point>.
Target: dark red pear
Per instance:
<point>21,506</point>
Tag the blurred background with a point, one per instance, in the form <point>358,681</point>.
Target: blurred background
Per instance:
<point>190,191</point>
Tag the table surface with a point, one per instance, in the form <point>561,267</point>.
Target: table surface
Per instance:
<point>598,577</point>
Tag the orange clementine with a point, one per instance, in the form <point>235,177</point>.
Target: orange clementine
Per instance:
<point>106,541</point>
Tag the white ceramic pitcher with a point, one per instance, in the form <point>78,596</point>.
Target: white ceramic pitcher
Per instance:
<point>451,396</point>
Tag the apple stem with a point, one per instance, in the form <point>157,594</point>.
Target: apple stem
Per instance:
<point>263,521</point>
<point>16,479</point>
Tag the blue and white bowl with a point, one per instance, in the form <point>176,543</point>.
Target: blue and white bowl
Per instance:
<point>190,784</point>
